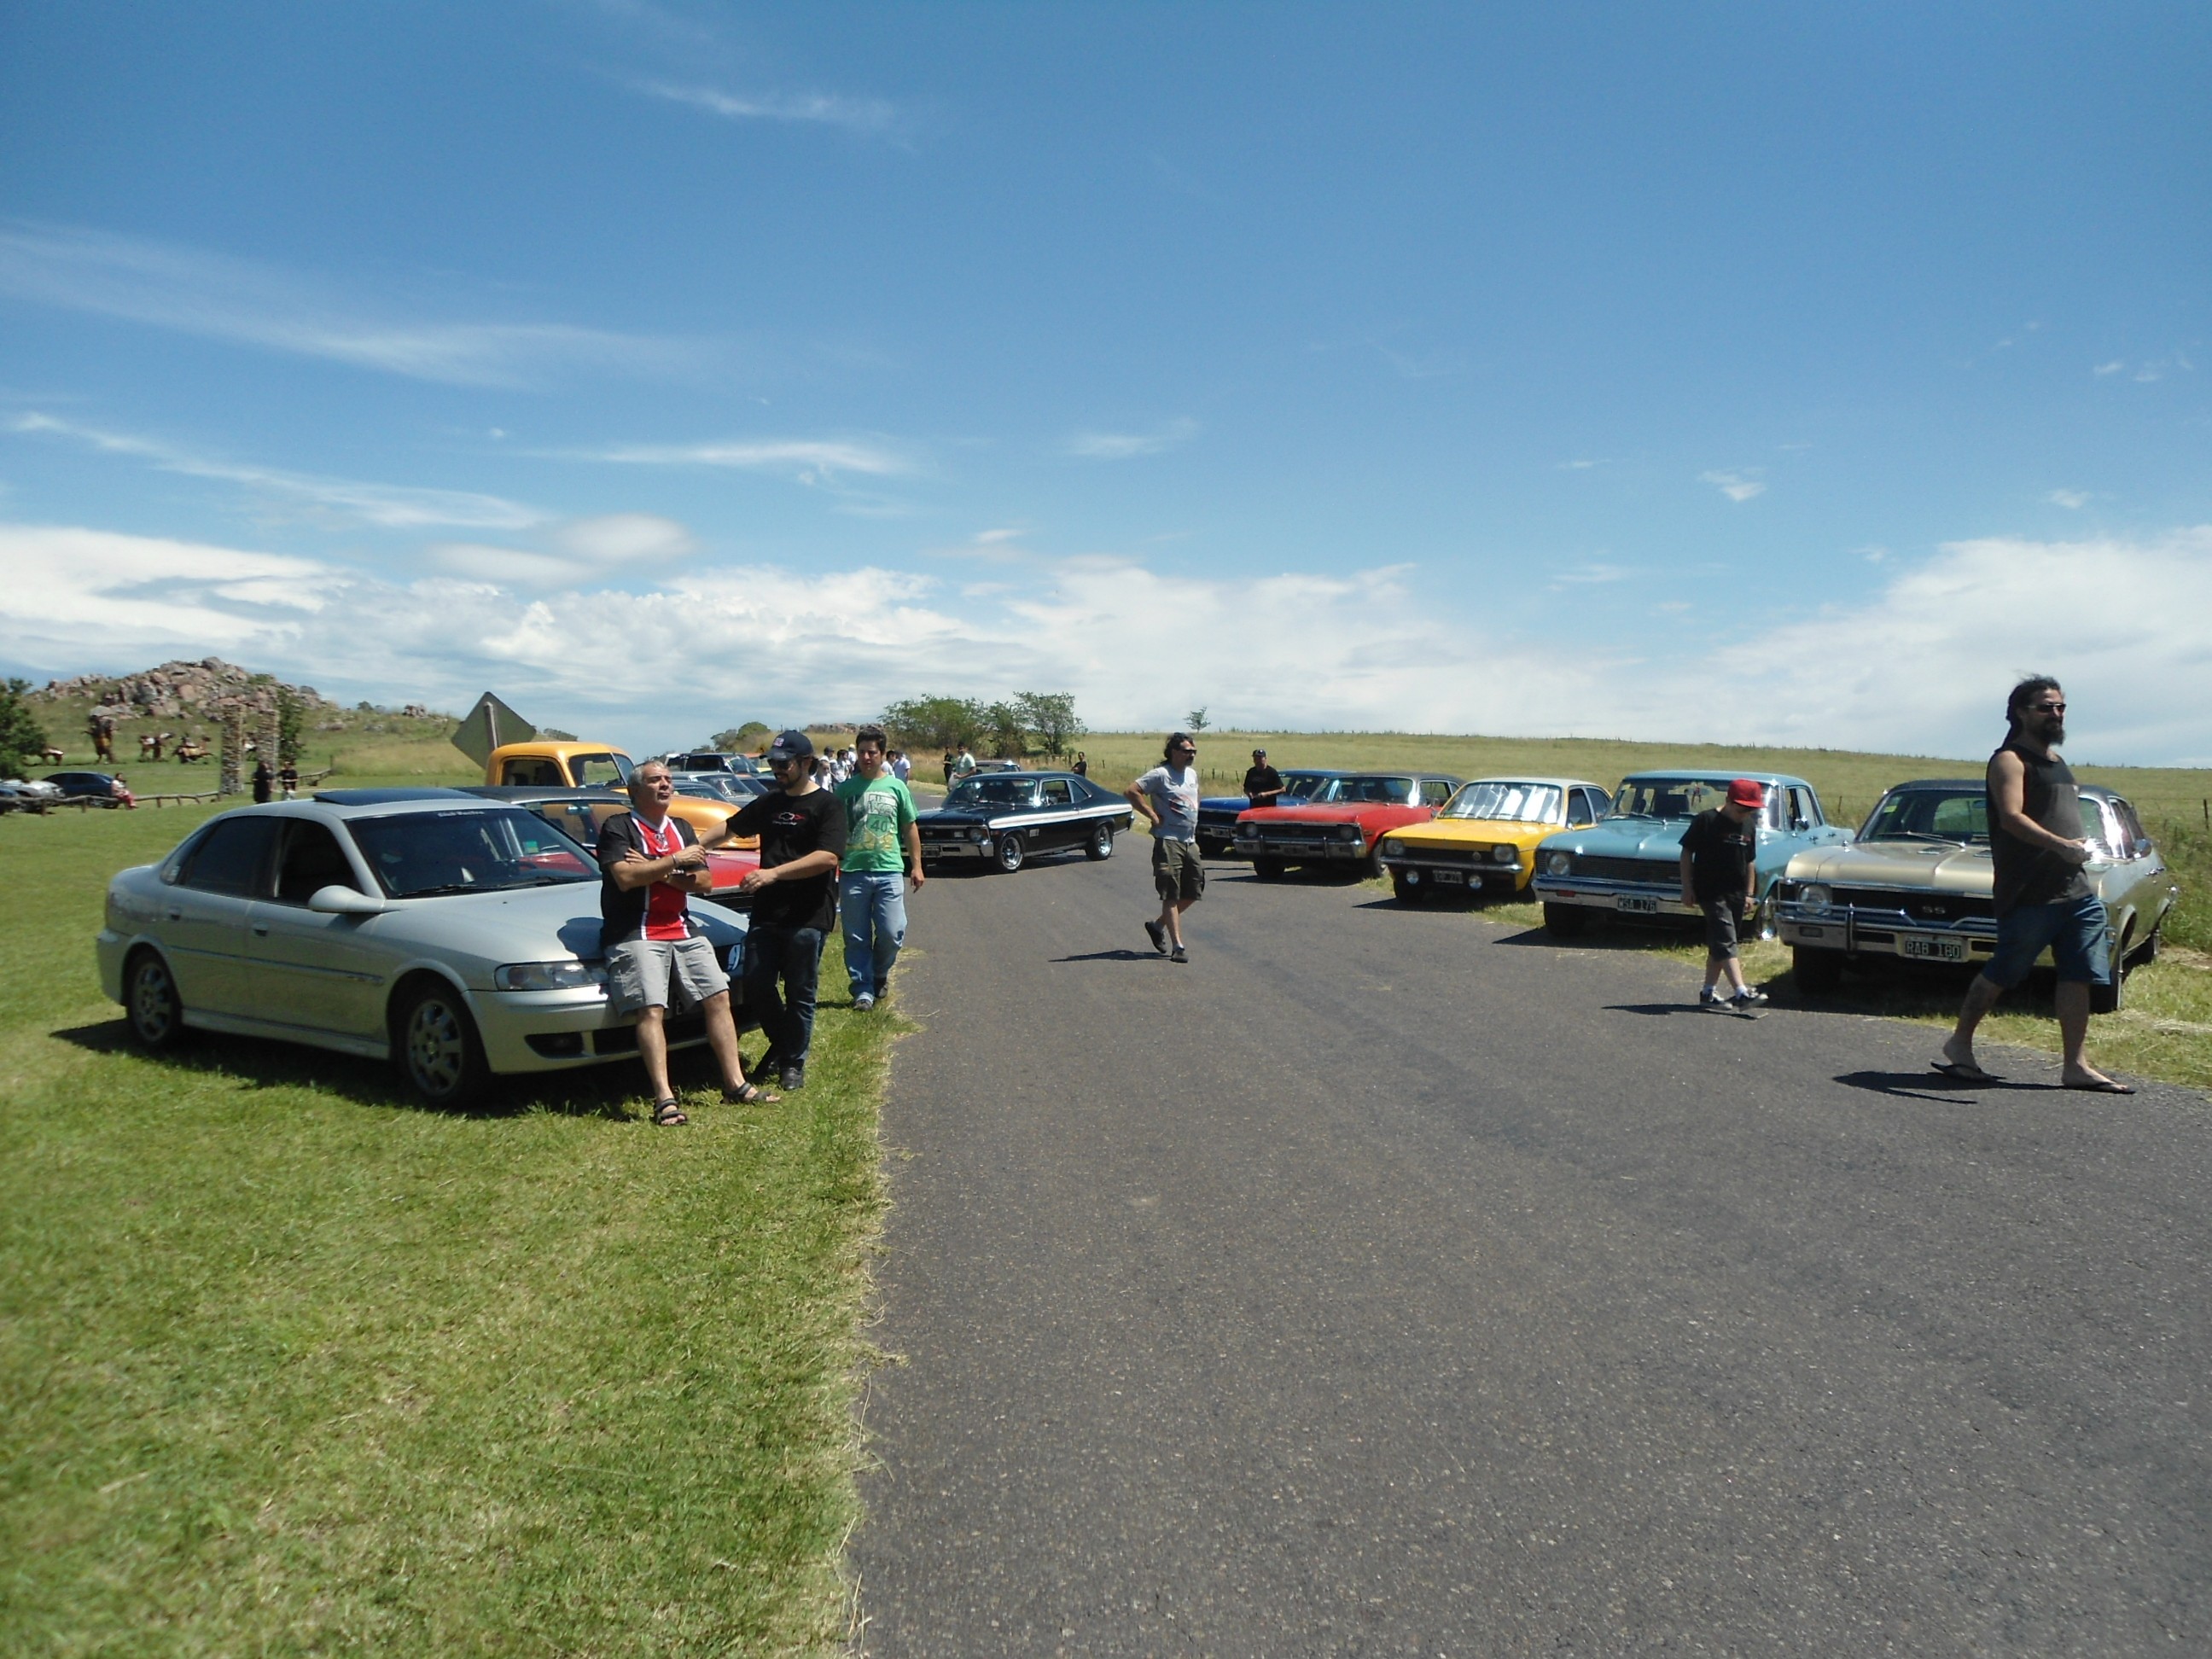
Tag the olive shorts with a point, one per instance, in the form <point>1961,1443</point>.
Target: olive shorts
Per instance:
<point>1178,871</point>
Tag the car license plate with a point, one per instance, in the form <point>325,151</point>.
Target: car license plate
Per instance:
<point>1451,877</point>
<point>1635,905</point>
<point>1931,947</point>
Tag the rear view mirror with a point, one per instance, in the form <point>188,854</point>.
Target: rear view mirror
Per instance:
<point>335,901</point>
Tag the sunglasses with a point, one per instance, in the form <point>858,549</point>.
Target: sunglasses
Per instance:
<point>2049,707</point>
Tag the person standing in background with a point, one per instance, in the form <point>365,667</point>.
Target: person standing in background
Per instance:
<point>882,844</point>
<point>1167,797</point>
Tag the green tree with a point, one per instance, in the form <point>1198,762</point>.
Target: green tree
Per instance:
<point>22,738</point>
<point>1195,721</point>
<point>1007,730</point>
<point>935,722</point>
<point>740,738</point>
<point>1051,715</point>
<point>291,721</point>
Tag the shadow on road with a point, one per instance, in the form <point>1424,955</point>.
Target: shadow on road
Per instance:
<point>1656,1010</point>
<point>1124,955</point>
<point>1934,1086</point>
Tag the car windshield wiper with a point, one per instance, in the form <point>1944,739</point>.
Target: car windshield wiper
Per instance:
<point>1920,834</point>
<point>488,886</point>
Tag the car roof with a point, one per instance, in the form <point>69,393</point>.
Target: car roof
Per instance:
<point>1527,777</point>
<point>385,796</point>
<point>379,803</point>
<point>1712,775</point>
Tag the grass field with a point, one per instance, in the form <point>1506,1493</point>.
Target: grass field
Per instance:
<point>289,1365</point>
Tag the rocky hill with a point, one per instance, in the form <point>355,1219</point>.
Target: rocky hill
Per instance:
<point>179,691</point>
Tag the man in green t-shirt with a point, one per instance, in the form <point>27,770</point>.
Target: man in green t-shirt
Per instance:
<point>882,849</point>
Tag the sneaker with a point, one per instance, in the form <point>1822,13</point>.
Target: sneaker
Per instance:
<point>793,1077</point>
<point>882,992</point>
<point>1158,934</point>
<point>863,1002</point>
<point>1749,998</point>
<point>1178,955</point>
<point>1709,998</point>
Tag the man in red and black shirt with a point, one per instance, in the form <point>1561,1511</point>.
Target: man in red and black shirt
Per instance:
<point>650,863</point>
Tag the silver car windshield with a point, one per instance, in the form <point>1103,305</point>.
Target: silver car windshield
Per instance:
<point>993,791</point>
<point>1960,815</point>
<point>422,854</point>
<point>1506,803</point>
<point>1667,797</point>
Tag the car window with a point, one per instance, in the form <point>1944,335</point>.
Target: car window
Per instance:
<point>532,774</point>
<point>419,854</point>
<point>1056,793</point>
<point>1589,805</point>
<point>1435,792</point>
<point>2139,839</point>
<point>312,860</point>
<point>1509,802</point>
<point>1804,812</point>
<point>599,771</point>
<point>231,857</point>
<point>2093,827</point>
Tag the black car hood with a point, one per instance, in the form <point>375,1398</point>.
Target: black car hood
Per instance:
<point>968,814</point>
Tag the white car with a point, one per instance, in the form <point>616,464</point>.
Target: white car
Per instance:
<point>456,937</point>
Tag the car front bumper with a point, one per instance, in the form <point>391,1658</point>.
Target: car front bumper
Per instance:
<point>1420,870</point>
<point>1302,849</point>
<point>1623,897</point>
<point>1856,933</point>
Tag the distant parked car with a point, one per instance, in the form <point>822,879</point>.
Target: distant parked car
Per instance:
<point>1007,819</point>
<point>1217,814</point>
<point>1916,885</point>
<point>1484,843</point>
<point>1339,823</point>
<point>715,760</point>
<point>1629,863</point>
<point>31,795</point>
<point>454,936</point>
<point>102,789</point>
<point>736,788</point>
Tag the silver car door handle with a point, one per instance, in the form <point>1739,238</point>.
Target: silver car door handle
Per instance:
<point>176,915</point>
<point>261,930</point>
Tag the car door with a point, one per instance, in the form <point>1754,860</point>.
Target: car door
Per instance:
<point>323,972</point>
<point>1058,801</point>
<point>1584,807</point>
<point>204,916</point>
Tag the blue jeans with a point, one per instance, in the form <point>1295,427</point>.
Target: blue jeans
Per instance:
<point>873,904</point>
<point>782,966</point>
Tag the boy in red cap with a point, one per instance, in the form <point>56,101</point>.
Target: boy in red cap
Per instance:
<point>1720,875</point>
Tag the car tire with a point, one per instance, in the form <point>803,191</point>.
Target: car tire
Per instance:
<point>1563,921</point>
<point>1407,893</point>
<point>1268,869</point>
<point>1100,847</point>
<point>150,1003</point>
<point>1817,972</point>
<point>1011,852</point>
<point>1371,867</point>
<point>435,1046</point>
<point>2146,952</point>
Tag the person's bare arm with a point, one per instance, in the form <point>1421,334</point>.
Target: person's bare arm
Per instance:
<point>820,863</point>
<point>2008,787</point>
<point>913,853</point>
<point>633,872</point>
<point>1138,798</point>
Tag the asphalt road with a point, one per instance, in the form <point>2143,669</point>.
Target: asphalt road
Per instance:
<point>1386,1281</point>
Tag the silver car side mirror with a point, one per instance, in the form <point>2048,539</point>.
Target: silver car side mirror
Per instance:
<point>335,901</point>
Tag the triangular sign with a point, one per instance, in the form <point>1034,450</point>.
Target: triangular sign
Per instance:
<point>490,724</point>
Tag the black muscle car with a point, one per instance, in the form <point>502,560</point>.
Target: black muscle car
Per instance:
<point>1009,817</point>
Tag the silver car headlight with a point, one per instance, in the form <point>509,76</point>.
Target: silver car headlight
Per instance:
<point>1348,832</point>
<point>1393,848</point>
<point>569,975</point>
<point>1816,898</point>
<point>1502,855</point>
<point>977,832</point>
<point>1558,864</point>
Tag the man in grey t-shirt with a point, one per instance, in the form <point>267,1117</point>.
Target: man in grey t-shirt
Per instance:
<point>1167,796</point>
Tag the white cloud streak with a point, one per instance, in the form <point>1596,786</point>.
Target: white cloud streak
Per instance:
<point>1127,446</point>
<point>811,460</point>
<point>2068,498</point>
<point>390,506</point>
<point>193,292</point>
<point>1736,486</point>
<point>866,116</point>
<point>2118,621</point>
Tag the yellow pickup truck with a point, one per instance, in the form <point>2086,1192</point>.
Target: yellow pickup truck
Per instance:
<point>517,759</point>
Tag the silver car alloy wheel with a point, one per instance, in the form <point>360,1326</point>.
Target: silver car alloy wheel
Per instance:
<point>437,1045</point>
<point>153,1008</point>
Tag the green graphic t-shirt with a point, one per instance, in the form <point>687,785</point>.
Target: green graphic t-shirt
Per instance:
<point>877,812</point>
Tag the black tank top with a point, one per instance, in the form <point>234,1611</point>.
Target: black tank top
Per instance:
<point>2033,875</point>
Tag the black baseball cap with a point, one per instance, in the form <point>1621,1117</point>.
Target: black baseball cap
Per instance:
<point>791,745</point>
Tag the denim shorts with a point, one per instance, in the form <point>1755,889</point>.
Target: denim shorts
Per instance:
<point>2075,930</point>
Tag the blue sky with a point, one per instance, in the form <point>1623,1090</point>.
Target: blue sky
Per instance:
<point>1712,371</point>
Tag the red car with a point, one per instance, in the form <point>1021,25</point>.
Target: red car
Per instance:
<point>1341,823</point>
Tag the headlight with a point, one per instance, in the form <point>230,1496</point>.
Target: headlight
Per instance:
<point>569,975</point>
<point>1558,864</point>
<point>1348,832</point>
<point>1394,848</point>
<point>1815,897</point>
<point>976,832</point>
<point>1502,855</point>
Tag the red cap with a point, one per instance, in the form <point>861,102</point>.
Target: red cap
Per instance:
<point>1745,792</point>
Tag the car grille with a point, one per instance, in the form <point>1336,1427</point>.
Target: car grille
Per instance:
<point>1434,854</point>
<point>1668,874</point>
<point>1300,834</point>
<point>1220,820</point>
<point>1914,902</point>
<point>934,834</point>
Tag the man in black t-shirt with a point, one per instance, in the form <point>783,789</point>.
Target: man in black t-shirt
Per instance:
<point>801,828</point>
<point>1263,784</point>
<point>1720,875</point>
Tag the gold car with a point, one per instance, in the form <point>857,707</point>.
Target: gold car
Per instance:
<point>1485,839</point>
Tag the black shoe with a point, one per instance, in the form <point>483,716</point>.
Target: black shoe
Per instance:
<point>795,1077</point>
<point>1159,935</point>
<point>768,1065</point>
<point>1178,955</point>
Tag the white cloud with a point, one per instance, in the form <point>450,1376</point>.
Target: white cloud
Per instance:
<point>391,506</point>
<point>1921,666</point>
<point>1736,486</point>
<point>589,550</point>
<point>2068,498</point>
<point>232,299</point>
<point>2113,368</point>
<point>1125,446</point>
<point>861,115</point>
<point>811,460</point>
<point>1590,575</point>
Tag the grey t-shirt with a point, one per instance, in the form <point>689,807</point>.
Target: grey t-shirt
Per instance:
<point>1173,796</point>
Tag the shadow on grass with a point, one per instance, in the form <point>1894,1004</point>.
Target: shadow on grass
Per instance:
<point>614,1091</point>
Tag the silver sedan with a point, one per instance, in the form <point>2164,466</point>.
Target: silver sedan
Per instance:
<point>456,938</point>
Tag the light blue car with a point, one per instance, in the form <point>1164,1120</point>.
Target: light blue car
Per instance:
<point>1630,862</point>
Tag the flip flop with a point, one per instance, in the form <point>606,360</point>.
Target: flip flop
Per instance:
<point>1963,1074</point>
<point>2102,1086</point>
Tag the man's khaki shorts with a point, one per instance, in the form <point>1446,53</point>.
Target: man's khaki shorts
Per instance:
<point>658,973</point>
<point>1178,871</point>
